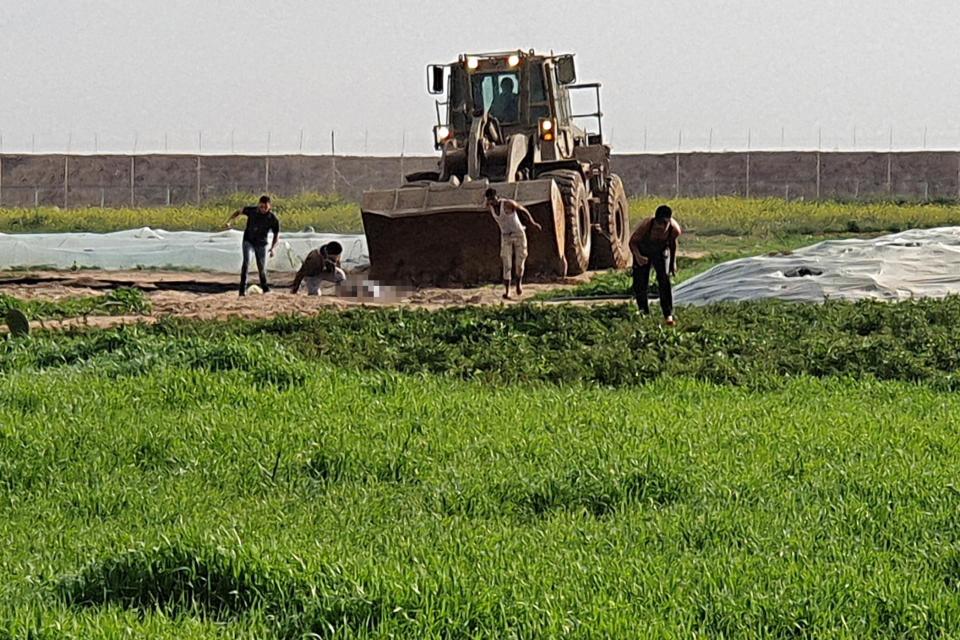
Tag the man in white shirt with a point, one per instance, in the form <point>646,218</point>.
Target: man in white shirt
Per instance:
<point>513,237</point>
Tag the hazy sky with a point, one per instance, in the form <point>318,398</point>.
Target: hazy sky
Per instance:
<point>156,72</point>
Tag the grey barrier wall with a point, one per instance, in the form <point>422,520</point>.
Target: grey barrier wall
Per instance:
<point>124,180</point>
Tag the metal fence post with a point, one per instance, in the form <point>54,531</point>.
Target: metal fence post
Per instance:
<point>748,174</point>
<point>66,180</point>
<point>889,173</point>
<point>403,151</point>
<point>677,178</point>
<point>818,175</point>
<point>333,161</point>
<point>890,165</point>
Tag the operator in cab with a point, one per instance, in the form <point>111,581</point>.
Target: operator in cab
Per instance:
<point>505,106</point>
<point>654,244</point>
<point>513,236</point>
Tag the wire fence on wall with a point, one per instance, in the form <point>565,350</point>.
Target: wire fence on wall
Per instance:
<point>28,180</point>
<point>378,142</point>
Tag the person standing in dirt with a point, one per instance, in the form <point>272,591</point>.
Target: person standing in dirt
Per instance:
<point>654,244</point>
<point>261,221</point>
<point>513,237</point>
<point>320,265</point>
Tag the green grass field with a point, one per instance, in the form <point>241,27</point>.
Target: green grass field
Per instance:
<point>723,219</point>
<point>319,211</point>
<point>765,470</point>
<point>768,470</point>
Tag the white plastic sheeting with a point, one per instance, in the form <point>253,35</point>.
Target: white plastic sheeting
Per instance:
<point>912,264</point>
<point>158,249</point>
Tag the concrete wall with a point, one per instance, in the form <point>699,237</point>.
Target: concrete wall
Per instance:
<point>113,180</point>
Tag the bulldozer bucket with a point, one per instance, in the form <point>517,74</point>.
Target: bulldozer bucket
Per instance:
<point>443,234</point>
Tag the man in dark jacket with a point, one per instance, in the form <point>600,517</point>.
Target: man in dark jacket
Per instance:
<point>261,221</point>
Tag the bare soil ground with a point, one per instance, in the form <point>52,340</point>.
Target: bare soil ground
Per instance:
<point>210,296</point>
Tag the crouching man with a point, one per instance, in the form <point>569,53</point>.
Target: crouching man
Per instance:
<point>654,246</point>
<point>321,265</point>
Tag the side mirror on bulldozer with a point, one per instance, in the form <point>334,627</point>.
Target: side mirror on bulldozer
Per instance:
<point>566,70</point>
<point>435,79</point>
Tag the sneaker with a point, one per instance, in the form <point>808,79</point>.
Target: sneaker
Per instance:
<point>670,321</point>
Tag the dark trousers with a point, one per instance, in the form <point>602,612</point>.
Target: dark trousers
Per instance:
<point>641,284</point>
<point>260,253</point>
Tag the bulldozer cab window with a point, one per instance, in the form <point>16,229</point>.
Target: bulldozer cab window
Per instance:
<point>498,94</point>
<point>564,114</point>
<point>539,101</point>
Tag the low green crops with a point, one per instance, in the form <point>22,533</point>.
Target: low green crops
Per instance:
<point>753,344</point>
<point>766,470</point>
<point>122,301</point>
<point>769,219</point>
<point>321,212</point>
<point>777,218</point>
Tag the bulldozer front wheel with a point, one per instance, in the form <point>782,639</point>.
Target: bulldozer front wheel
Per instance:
<point>610,240</point>
<point>577,238</point>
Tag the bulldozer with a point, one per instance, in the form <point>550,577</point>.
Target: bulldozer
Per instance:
<point>504,120</point>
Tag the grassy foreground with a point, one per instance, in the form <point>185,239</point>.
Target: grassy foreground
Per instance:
<point>207,501</point>
<point>768,470</point>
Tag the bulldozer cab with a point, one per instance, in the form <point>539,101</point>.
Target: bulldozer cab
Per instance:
<point>519,91</point>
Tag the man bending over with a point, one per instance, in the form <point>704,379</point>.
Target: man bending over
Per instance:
<point>654,245</point>
<point>320,265</point>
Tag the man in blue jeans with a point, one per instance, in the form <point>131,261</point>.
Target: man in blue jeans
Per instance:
<point>260,222</point>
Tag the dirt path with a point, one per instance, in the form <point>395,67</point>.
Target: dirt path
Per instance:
<point>210,296</point>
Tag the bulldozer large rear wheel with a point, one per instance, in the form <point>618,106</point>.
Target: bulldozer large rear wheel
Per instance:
<point>576,204</point>
<point>610,241</point>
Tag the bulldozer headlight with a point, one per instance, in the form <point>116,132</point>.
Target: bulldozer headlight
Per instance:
<point>473,63</point>
<point>513,60</point>
<point>546,129</point>
<point>441,134</point>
